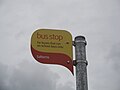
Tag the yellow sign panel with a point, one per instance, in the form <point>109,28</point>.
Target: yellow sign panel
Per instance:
<point>52,41</point>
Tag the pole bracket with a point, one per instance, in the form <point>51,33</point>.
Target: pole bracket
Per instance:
<point>79,41</point>
<point>75,62</point>
<point>73,43</point>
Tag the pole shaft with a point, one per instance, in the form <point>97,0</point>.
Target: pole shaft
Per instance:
<point>81,63</point>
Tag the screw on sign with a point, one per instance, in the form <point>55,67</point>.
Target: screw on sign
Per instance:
<point>52,47</point>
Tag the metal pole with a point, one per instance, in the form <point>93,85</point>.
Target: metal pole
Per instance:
<point>80,63</point>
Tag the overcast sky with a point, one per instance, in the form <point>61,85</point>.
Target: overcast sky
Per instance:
<point>97,20</point>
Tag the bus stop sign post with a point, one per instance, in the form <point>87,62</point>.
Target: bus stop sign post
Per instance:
<point>80,63</point>
<point>48,49</point>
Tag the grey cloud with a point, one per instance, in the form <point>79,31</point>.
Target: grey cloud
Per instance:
<point>1,2</point>
<point>114,59</point>
<point>67,86</point>
<point>107,72</point>
<point>29,76</point>
<point>3,77</point>
<point>112,67</point>
<point>33,77</point>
